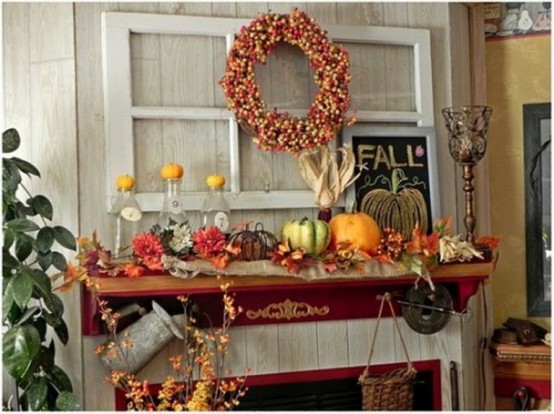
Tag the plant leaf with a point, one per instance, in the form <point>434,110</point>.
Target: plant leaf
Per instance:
<point>7,299</point>
<point>44,260</point>
<point>22,286</point>
<point>8,239</point>
<point>62,332</point>
<point>65,237</point>
<point>67,401</point>
<point>23,246</point>
<point>59,262</point>
<point>45,239</point>
<point>26,166</point>
<point>59,378</point>
<point>36,394</point>
<point>19,346</point>
<point>42,283</point>
<point>43,206</point>
<point>20,225</point>
<point>10,140</point>
<point>55,304</point>
<point>27,315</point>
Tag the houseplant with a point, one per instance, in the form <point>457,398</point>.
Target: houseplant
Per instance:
<point>29,306</point>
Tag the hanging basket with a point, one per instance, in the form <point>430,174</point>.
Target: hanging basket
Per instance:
<point>393,390</point>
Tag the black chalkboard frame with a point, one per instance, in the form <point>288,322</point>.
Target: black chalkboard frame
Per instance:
<point>375,134</point>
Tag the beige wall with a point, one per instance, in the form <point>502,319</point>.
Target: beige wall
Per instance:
<point>518,72</point>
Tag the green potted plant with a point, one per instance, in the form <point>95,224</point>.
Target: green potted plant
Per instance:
<point>29,305</point>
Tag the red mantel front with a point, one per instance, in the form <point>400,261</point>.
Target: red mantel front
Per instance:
<point>269,299</point>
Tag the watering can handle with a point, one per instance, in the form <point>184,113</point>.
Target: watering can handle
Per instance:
<point>131,308</point>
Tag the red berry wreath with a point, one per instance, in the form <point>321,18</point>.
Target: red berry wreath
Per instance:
<point>275,131</point>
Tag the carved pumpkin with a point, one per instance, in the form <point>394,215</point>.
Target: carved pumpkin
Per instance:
<point>254,244</point>
<point>311,235</point>
<point>399,208</point>
<point>357,229</point>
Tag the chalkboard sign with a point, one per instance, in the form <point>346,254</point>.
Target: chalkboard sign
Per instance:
<point>398,184</point>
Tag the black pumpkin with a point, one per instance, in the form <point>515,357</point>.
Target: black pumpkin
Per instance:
<point>254,244</point>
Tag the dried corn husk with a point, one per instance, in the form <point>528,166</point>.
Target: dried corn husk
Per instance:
<point>321,172</point>
<point>452,248</point>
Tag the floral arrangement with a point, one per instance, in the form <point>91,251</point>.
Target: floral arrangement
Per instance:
<point>274,131</point>
<point>149,247</point>
<point>199,381</point>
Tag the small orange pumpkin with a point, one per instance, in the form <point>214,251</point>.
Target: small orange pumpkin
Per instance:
<point>215,181</point>
<point>357,229</point>
<point>125,182</point>
<point>172,171</point>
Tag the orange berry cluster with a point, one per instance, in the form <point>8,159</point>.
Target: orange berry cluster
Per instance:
<point>280,131</point>
<point>392,244</point>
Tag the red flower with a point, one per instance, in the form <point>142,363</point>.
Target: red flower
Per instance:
<point>147,245</point>
<point>209,242</point>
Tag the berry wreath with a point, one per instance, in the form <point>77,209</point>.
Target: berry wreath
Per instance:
<point>273,131</point>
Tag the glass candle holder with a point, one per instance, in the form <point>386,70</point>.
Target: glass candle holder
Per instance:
<point>467,141</point>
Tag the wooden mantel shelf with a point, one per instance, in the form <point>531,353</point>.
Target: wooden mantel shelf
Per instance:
<point>277,299</point>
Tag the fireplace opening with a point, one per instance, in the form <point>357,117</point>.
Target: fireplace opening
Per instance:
<point>335,389</point>
<point>325,395</point>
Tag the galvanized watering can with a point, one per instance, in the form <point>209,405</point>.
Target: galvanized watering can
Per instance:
<point>149,335</point>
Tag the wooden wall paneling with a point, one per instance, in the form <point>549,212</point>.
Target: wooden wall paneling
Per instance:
<point>332,344</point>
<point>360,334</point>
<point>236,360</point>
<point>298,343</point>
<point>367,62</point>
<point>98,396</point>
<point>434,16</point>
<point>396,15</point>
<point>17,104</point>
<point>412,339</point>
<point>139,7</point>
<point>478,72</point>
<point>461,89</point>
<point>54,139</point>
<point>43,47</point>
<point>324,13</point>
<point>262,348</point>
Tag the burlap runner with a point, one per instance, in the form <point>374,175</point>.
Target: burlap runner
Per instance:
<point>188,269</point>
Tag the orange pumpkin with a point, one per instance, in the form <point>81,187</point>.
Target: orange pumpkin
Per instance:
<point>357,229</point>
<point>125,182</point>
<point>215,181</point>
<point>172,171</point>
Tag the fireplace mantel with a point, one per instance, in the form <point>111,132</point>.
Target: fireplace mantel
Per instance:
<point>271,300</point>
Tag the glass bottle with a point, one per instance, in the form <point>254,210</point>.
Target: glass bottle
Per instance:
<point>173,208</point>
<point>126,214</point>
<point>215,209</point>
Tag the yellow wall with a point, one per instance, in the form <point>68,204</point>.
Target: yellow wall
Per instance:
<point>518,72</point>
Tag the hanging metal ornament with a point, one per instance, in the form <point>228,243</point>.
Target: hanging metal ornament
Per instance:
<point>427,311</point>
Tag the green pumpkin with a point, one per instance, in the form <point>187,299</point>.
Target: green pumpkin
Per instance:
<point>311,235</point>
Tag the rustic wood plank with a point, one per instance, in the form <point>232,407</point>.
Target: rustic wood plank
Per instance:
<point>297,343</point>
<point>98,395</point>
<point>49,37</point>
<point>262,354</point>
<point>332,344</point>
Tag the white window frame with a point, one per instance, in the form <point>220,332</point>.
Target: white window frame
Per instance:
<point>119,111</point>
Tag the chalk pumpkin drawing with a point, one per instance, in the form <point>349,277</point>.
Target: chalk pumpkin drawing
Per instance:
<point>400,207</point>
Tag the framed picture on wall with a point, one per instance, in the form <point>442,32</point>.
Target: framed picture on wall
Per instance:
<point>398,185</point>
<point>538,207</point>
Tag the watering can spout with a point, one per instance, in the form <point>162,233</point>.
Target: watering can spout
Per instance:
<point>149,335</point>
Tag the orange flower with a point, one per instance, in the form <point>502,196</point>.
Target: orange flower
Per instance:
<point>423,244</point>
<point>491,241</point>
<point>153,263</point>
<point>132,270</point>
<point>72,274</point>
<point>147,245</point>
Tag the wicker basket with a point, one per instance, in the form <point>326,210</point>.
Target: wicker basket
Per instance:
<point>393,390</point>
